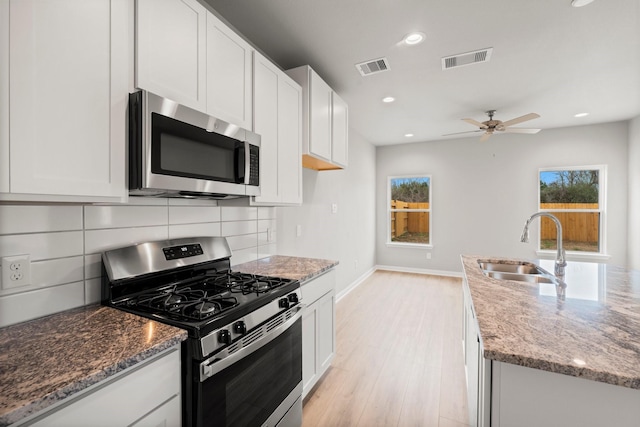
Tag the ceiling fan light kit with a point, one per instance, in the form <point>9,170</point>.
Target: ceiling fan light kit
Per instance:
<point>490,126</point>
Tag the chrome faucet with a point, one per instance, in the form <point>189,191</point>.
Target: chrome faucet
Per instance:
<point>561,261</point>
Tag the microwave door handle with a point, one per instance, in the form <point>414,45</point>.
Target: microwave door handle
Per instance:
<point>247,162</point>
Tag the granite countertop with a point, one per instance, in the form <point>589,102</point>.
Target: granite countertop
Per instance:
<point>594,333</point>
<point>287,267</point>
<point>45,360</point>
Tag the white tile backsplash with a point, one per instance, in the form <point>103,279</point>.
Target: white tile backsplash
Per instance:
<point>36,219</point>
<point>236,228</point>
<point>97,217</point>
<point>29,305</point>
<point>65,243</point>
<point>42,245</point>
<point>191,230</point>
<point>189,215</point>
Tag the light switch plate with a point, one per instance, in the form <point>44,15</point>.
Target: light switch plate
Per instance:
<point>16,271</point>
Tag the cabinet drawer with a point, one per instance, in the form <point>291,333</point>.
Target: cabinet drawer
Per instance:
<point>317,287</point>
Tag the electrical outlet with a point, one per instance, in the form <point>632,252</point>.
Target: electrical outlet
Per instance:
<point>334,208</point>
<point>428,255</point>
<point>298,230</point>
<point>16,271</point>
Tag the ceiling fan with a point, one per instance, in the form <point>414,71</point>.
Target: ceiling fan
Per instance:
<point>490,126</point>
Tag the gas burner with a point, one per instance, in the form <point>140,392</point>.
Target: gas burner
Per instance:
<point>204,308</point>
<point>259,286</point>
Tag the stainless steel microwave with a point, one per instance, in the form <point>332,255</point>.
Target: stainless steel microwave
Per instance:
<point>175,151</point>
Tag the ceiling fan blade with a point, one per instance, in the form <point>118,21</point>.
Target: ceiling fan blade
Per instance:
<point>460,133</point>
<point>521,130</point>
<point>475,123</point>
<point>520,119</point>
<point>485,137</point>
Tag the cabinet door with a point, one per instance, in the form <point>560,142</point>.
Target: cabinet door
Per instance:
<point>339,131</point>
<point>309,353</point>
<point>228,74</point>
<point>171,50</point>
<point>167,415</point>
<point>320,117</point>
<point>266,125</point>
<point>68,65</point>
<point>289,141</point>
<point>326,331</point>
<point>472,353</point>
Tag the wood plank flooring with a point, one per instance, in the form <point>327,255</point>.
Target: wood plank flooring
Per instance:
<point>399,356</point>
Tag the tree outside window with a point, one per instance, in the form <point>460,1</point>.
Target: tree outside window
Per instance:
<point>575,197</point>
<point>410,210</point>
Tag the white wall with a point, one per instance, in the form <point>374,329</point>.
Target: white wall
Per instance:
<point>483,192</point>
<point>347,236</point>
<point>65,242</point>
<point>633,256</point>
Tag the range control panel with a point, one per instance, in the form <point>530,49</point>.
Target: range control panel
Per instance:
<point>183,251</point>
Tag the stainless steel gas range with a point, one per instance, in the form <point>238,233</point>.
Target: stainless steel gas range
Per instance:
<point>242,361</point>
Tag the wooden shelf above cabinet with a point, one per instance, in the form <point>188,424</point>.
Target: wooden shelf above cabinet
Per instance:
<point>314,163</point>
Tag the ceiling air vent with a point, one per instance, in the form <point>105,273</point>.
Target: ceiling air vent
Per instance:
<point>373,67</point>
<point>468,58</point>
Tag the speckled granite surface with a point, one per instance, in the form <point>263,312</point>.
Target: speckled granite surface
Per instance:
<point>594,333</point>
<point>45,360</point>
<point>287,267</point>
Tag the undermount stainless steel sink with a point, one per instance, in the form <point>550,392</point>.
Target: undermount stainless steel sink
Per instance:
<point>519,277</point>
<point>520,268</point>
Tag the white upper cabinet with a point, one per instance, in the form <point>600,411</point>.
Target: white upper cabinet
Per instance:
<point>277,118</point>
<point>324,133</point>
<point>171,50</point>
<point>63,97</point>
<point>229,88</point>
<point>339,131</point>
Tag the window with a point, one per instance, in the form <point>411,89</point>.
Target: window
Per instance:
<point>409,210</point>
<point>576,197</point>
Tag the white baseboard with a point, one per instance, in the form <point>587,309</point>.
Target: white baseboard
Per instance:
<point>355,284</point>
<point>420,271</point>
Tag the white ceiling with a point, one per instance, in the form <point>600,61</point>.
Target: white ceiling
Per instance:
<point>548,58</point>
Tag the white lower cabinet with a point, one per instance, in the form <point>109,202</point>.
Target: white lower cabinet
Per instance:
<point>318,329</point>
<point>147,394</point>
<point>506,395</point>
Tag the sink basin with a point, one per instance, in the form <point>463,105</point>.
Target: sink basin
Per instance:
<point>521,268</point>
<point>519,277</point>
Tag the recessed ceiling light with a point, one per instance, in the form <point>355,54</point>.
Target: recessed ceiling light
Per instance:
<point>414,38</point>
<point>388,99</point>
<point>408,135</point>
<point>580,3</point>
<point>581,115</point>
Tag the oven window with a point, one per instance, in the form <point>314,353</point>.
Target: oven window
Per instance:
<point>247,392</point>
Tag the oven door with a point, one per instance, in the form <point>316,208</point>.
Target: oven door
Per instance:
<point>258,385</point>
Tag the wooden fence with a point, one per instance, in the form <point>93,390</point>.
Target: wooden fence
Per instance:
<point>576,226</point>
<point>412,222</point>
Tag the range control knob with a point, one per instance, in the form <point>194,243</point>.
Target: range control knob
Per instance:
<point>224,337</point>
<point>284,303</point>
<point>240,327</point>
<point>293,298</point>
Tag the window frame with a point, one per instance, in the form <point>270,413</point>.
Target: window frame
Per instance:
<point>391,243</point>
<point>602,208</point>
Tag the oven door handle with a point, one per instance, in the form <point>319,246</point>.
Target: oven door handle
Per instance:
<point>224,359</point>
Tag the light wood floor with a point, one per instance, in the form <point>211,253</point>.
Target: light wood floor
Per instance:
<point>399,356</point>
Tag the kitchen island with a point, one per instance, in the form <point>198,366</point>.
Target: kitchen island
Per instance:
<point>51,359</point>
<point>545,360</point>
